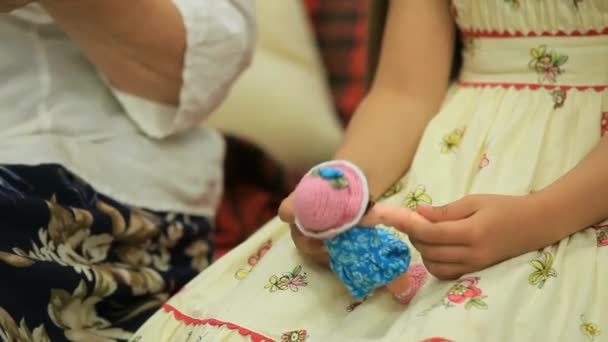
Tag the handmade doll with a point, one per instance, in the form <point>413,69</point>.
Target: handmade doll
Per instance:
<point>332,203</point>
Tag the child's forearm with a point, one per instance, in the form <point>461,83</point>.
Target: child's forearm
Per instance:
<point>383,136</point>
<point>409,86</point>
<point>580,198</point>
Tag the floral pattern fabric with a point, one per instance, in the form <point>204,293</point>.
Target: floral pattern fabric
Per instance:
<point>366,258</point>
<point>79,266</point>
<point>529,84</point>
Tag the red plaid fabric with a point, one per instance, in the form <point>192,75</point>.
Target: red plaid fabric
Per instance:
<point>340,27</point>
<point>254,186</point>
<point>254,183</point>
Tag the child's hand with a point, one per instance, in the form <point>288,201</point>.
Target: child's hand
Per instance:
<point>312,248</point>
<point>478,231</point>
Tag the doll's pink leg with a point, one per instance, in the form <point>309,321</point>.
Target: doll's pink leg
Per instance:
<point>400,285</point>
<point>417,275</point>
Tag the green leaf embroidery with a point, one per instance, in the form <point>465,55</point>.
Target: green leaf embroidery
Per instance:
<point>477,303</point>
<point>339,183</point>
<point>543,270</point>
<point>296,270</point>
<point>591,330</point>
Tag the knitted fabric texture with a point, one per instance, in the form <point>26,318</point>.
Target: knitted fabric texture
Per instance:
<point>331,195</point>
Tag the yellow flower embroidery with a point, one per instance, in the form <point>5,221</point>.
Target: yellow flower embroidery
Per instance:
<point>451,141</point>
<point>548,64</point>
<point>591,330</point>
<point>289,280</point>
<point>544,270</point>
<point>415,197</point>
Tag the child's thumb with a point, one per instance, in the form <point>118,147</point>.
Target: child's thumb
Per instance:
<point>286,210</point>
<point>457,210</point>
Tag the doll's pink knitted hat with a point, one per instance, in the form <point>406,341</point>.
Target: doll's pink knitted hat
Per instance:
<point>330,198</point>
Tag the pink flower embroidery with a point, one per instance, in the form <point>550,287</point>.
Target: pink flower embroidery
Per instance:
<point>484,161</point>
<point>463,290</point>
<point>601,230</point>
<point>604,123</point>
<point>289,280</point>
<point>253,260</point>
<point>436,339</point>
<point>466,292</point>
<point>559,97</point>
<point>548,64</point>
<point>295,282</point>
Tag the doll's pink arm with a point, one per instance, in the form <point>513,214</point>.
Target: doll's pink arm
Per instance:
<point>391,216</point>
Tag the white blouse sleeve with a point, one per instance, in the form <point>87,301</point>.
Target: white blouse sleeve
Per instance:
<point>220,41</point>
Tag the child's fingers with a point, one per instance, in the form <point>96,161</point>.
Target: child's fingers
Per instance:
<point>450,254</point>
<point>442,233</point>
<point>312,248</point>
<point>457,210</point>
<point>286,210</point>
<point>446,271</point>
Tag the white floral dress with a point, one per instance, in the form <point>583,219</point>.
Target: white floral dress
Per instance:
<point>530,103</point>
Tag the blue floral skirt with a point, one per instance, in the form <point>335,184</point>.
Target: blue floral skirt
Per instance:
<point>76,265</point>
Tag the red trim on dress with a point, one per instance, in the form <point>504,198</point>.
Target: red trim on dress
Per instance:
<point>531,86</point>
<point>519,34</point>
<point>180,316</point>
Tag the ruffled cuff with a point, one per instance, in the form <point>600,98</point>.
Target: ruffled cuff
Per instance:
<point>220,40</point>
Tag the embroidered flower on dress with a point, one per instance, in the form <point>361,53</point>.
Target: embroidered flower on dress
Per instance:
<point>591,330</point>
<point>484,161</point>
<point>559,97</point>
<point>464,291</point>
<point>253,260</point>
<point>547,63</point>
<point>604,128</point>
<point>601,231</point>
<point>290,280</point>
<point>294,336</point>
<point>436,339</point>
<point>415,197</point>
<point>451,141</point>
<point>544,270</point>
